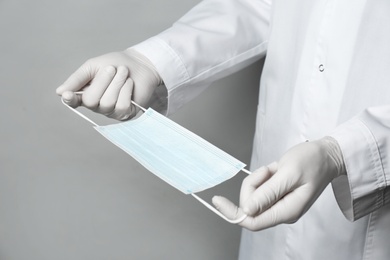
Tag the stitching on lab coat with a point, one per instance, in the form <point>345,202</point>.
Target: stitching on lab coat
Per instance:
<point>262,46</point>
<point>175,56</point>
<point>371,145</point>
<point>319,57</point>
<point>351,209</point>
<point>386,196</point>
<point>383,168</point>
<point>261,125</point>
<point>287,250</point>
<point>380,161</point>
<point>368,244</point>
<point>376,157</point>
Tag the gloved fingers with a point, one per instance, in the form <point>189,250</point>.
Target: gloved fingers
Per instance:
<point>144,85</point>
<point>253,181</point>
<point>268,194</point>
<point>273,167</point>
<point>286,211</point>
<point>91,96</point>
<point>124,109</point>
<point>110,97</point>
<point>71,99</point>
<point>81,77</point>
<point>227,208</point>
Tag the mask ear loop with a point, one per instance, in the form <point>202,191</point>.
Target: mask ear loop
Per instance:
<point>206,204</point>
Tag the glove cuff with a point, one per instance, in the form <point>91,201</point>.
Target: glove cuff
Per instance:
<point>143,61</point>
<point>334,152</point>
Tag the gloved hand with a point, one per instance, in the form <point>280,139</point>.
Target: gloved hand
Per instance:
<point>109,83</point>
<point>283,191</point>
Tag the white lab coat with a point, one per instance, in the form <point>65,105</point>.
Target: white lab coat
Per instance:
<point>327,72</point>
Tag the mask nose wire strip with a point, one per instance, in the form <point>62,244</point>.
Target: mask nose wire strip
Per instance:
<point>235,221</point>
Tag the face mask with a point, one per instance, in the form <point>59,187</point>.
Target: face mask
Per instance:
<point>173,153</point>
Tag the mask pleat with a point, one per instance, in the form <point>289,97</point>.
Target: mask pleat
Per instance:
<point>171,152</point>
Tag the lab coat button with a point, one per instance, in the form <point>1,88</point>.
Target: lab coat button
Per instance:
<point>321,68</point>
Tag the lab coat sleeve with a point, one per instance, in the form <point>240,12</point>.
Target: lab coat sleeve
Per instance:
<point>365,144</point>
<point>213,40</point>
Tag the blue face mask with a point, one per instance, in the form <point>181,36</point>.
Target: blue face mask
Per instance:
<point>173,153</point>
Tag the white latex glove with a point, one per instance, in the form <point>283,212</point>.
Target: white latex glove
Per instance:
<point>283,191</point>
<point>109,83</point>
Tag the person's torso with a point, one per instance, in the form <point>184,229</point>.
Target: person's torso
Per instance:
<point>327,60</point>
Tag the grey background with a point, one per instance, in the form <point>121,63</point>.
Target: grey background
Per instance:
<point>66,192</point>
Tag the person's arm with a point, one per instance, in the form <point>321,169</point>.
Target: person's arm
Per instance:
<point>365,144</point>
<point>214,39</point>
<point>355,158</point>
